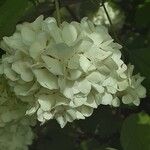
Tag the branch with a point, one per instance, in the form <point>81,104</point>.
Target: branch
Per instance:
<point>58,12</point>
<point>72,14</point>
<point>109,19</point>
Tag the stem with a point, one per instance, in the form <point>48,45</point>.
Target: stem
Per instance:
<point>58,12</point>
<point>109,19</point>
<point>72,13</point>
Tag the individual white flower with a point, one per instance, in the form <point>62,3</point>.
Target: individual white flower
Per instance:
<point>116,15</point>
<point>64,72</point>
<point>16,136</point>
<point>135,91</point>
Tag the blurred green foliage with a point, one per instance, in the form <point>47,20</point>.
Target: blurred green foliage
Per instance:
<point>103,129</point>
<point>10,13</point>
<point>135,134</point>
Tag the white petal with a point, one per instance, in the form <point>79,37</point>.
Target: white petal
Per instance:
<point>107,99</point>
<point>96,54</point>
<point>28,35</point>
<point>84,86</point>
<point>95,77</point>
<point>98,98</point>
<point>74,74</point>
<point>136,102</point>
<point>46,79</point>
<point>32,110</point>
<point>25,89</point>
<point>66,87</point>
<point>123,85</point>
<point>91,101</point>
<point>10,74</point>
<point>61,100</point>
<point>86,111</point>
<point>23,68</point>
<point>46,102</point>
<point>84,45</point>
<point>36,25</point>
<point>40,116</point>
<point>55,32</point>
<point>53,65</point>
<point>141,91</point>
<point>127,99</point>
<point>110,63</point>
<point>47,115</point>
<point>97,38</point>
<point>116,102</point>
<point>36,49</point>
<point>79,115</point>
<point>106,43</point>
<point>78,101</point>
<point>73,63</point>
<point>111,85</point>
<point>15,41</point>
<point>62,51</point>
<point>69,34</point>
<point>98,88</point>
<point>61,120</point>
<point>70,115</point>
<point>84,63</point>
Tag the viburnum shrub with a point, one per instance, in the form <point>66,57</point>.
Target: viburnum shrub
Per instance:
<point>60,72</point>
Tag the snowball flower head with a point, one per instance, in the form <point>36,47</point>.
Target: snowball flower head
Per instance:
<point>64,72</point>
<point>116,15</point>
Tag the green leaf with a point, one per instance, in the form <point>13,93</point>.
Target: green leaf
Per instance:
<point>10,13</point>
<point>135,134</point>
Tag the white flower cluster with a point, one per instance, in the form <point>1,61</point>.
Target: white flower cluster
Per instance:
<point>64,72</point>
<point>16,136</point>
<point>116,15</point>
<point>15,131</point>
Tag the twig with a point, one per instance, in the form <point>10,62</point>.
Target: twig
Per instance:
<point>109,19</point>
<point>72,13</point>
<point>58,12</point>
